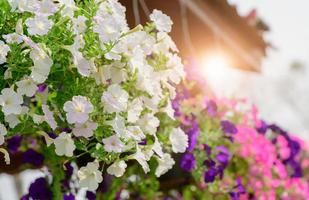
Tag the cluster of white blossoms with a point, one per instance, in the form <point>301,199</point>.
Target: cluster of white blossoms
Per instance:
<point>136,71</point>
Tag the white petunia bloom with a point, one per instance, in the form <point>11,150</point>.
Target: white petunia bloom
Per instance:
<point>85,130</point>
<point>12,120</point>
<point>179,140</point>
<point>116,73</point>
<point>176,71</point>
<point>117,168</point>
<point>47,8</point>
<point>141,158</point>
<point>90,176</point>
<point>157,148</point>
<point>118,125</point>
<point>78,109</point>
<point>39,25</point>
<point>68,8</point>
<point>42,64</point>
<point>113,144</point>
<point>135,132</point>
<point>162,21</point>
<point>115,99</point>
<point>4,49</point>
<point>165,163</point>
<point>168,109</point>
<point>13,38</point>
<point>64,145</point>
<point>26,87</point>
<point>110,21</point>
<point>3,132</point>
<point>79,24</point>
<point>83,65</point>
<point>49,117</point>
<point>149,123</point>
<point>134,110</point>
<point>10,102</point>
<point>28,5</point>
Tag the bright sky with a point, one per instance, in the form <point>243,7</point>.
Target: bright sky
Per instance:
<point>289,23</point>
<point>281,95</point>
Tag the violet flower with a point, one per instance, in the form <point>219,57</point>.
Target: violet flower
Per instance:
<point>210,175</point>
<point>211,108</point>
<point>228,127</point>
<point>188,162</point>
<point>68,197</point>
<point>32,157</point>
<point>39,190</point>
<point>14,143</point>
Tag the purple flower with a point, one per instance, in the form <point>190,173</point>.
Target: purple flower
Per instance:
<point>69,169</point>
<point>207,149</point>
<point>210,175</point>
<point>39,190</point>
<point>33,157</point>
<point>41,88</point>
<point>13,143</point>
<point>262,128</point>
<point>68,197</point>
<point>294,147</point>
<point>66,129</point>
<point>193,134</point>
<point>228,127</point>
<point>223,156</point>
<point>90,195</point>
<point>143,142</point>
<point>188,162</point>
<point>210,163</point>
<point>211,108</point>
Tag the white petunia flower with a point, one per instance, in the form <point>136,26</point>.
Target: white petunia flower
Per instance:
<point>13,38</point>
<point>149,123</point>
<point>68,8</point>
<point>12,120</point>
<point>168,109</point>
<point>79,24</point>
<point>85,130</point>
<point>116,73</point>
<point>135,132</point>
<point>162,21</point>
<point>4,49</point>
<point>117,168</point>
<point>90,176</point>
<point>49,117</point>
<point>39,25</point>
<point>165,163</point>
<point>47,8</point>
<point>176,71</point>
<point>179,140</point>
<point>141,158</point>
<point>113,144</point>
<point>157,148</point>
<point>27,87</point>
<point>64,145</point>
<point>118,125</point>
<point>165,43</point>
<point>83,65</point>
<point>115,99</point>
<point>134,110</point>
<point>10,102</point>
<point>42,63</point>
<point>3,132</point>
<point>78,109</point>
<point>28,5</point>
